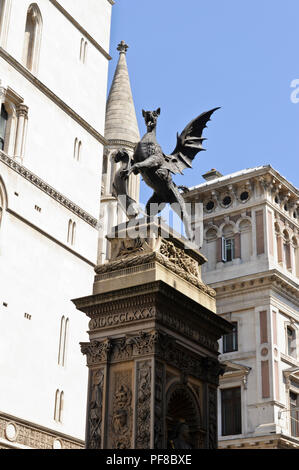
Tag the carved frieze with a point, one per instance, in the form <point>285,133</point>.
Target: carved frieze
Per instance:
<point>46,188</point>
<point>155,343</point>
<point>121,318</point>
<point>143,404</point>
<point>33,436</point>
<point>171,257</point>
<point>179,258</point>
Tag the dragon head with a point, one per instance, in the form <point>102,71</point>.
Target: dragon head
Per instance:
<point>150,118</point>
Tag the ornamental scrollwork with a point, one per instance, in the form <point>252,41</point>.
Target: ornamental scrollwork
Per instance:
<point>143,405</point>
<point>96,351</point>
<point>121,420</point>
<point>95,417</point>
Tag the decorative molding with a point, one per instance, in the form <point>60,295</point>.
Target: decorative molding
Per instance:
<point>143,404</point>
<point>212,407</point>
<point>95,412</point>
<point>46,188</point>
<point>274,279</point>
<point>81,29</point>
<point>59,102</point>
<point>120,318</point>
<point>159,430</point>
<point>121,421</point>
<point>137,298</point>
<point>170,257</point>
<point>121,143</point>
<point>154,342</point>
<point>34,436</point>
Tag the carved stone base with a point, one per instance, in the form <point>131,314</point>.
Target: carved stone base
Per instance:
<point>153,349</point>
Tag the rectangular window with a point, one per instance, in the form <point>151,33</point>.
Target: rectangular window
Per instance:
<point>231,411</point>
<point>291,342</point>
<point>228,249</point>
<point>294,405</point>
<point>230,341</point>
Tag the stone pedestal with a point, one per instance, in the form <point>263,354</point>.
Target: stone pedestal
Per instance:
<point>153,347</point>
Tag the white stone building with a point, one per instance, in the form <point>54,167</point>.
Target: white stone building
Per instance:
<point>53,71</point>
<point>251,240</point>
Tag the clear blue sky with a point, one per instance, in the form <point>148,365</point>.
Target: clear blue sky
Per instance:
<point>188,56</point>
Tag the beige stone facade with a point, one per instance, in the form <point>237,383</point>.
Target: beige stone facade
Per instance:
<point>251,236</point>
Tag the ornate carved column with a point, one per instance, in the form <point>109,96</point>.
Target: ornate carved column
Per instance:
<point>153,350</point>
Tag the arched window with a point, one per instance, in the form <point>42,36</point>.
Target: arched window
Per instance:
<point>58,408</point>
<point>287,250</point>
<point>56,405</point>
<point>296,256</point>
<point>291,342</point>
<point>279,243</point>
<point>83,50</point>
<point>64,326</point>
<point>61,405</point>
<point>77,150</point>
<point>71,234</point>
<point>33,33</point>
<point>4,20</point>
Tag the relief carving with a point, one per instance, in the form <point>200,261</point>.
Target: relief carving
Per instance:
<point>213,437</point>
<point>179,257</point>
<point>159,409</point>
<point>121,420</point>
<point>120,318</point>
<point>96,351</point>
<point>143,405</point>
<point>96,410</point>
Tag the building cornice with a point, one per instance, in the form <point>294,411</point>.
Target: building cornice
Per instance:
<point>81,29</point>
<point>59,102</point>
<point>49,190</point>
<point>272,278</point>
<point>33,435</point>
<point>270,441</point>
<point>112,2</point>
<point>240,177</point>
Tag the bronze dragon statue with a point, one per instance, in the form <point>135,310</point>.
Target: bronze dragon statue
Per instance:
<point>156,168</point>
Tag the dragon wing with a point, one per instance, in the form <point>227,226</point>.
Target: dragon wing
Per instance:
<point>189,143</point>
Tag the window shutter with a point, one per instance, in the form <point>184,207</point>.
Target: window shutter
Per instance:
<point>237,245</point>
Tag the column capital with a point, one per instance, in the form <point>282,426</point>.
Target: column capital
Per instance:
<point>22,110</point>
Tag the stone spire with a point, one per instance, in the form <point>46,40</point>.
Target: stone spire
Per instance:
<point>121,123</point>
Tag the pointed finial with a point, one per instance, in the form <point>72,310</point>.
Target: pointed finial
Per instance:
<point>122,47</point>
